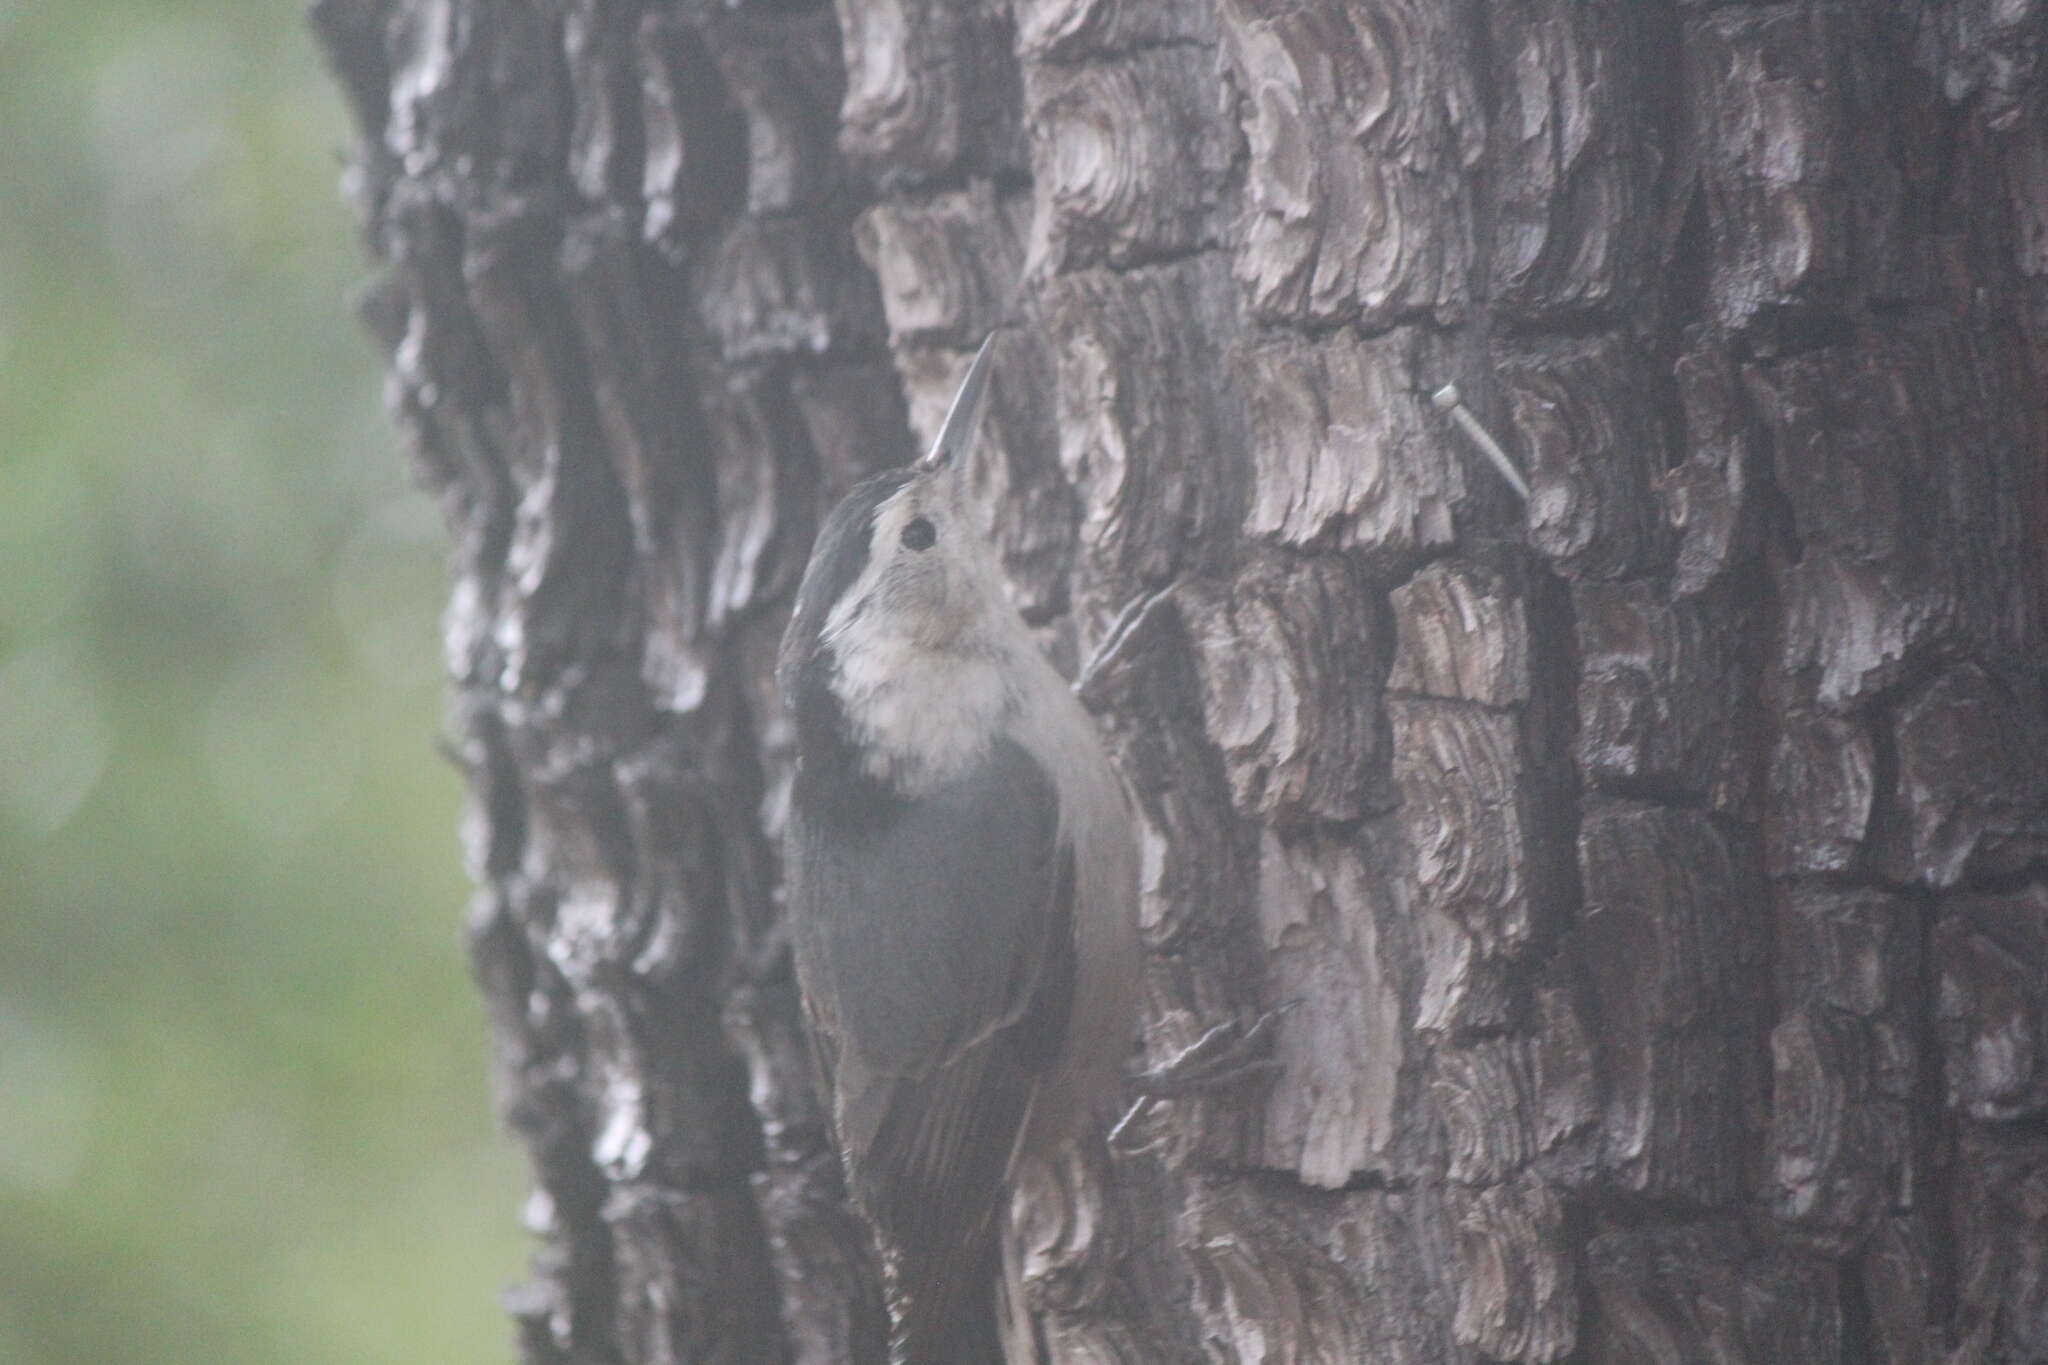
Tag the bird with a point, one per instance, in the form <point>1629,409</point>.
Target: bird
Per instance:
<point>962,883</point>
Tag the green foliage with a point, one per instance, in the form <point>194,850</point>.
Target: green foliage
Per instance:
<point>243,1102</point>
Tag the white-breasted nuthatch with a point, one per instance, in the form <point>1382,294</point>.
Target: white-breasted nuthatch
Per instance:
<point>962,886</point>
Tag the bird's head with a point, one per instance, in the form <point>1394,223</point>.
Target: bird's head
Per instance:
<point>898,558</point>
<point>902,589</point>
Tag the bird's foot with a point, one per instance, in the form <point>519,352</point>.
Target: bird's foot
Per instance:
<point>1228,1054</point>
<point>1231,1052</point>
<point>1130,626</point>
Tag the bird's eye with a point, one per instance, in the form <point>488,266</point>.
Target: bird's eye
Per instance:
<point>919,534</point>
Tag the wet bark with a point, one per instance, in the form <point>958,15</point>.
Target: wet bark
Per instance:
<point>1661,875</point>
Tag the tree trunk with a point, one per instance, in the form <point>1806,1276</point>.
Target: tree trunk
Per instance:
<point>1660,877</point>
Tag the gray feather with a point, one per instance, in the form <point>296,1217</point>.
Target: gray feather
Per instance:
<point>935,943</point>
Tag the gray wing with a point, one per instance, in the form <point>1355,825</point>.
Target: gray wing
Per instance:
<point>935,941</point>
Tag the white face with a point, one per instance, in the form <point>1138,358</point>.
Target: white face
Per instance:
<point>930,580</point>
<point>926,648</point>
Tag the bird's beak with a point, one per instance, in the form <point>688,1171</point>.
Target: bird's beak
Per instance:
<point>965,414</point>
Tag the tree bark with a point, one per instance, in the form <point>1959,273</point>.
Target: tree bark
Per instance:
<point>1660,878</point>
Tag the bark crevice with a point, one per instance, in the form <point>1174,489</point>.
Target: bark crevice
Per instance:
<point>1663,872</point>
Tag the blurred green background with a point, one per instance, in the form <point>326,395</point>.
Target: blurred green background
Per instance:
<point>243,1099</point>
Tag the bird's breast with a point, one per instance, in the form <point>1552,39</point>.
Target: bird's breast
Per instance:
<point>919,717</point>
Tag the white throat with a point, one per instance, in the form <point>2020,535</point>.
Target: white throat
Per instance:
<point>919,716</point>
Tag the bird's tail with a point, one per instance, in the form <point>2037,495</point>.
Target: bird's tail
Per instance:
<point>1013,1310</point>
<point>943,1312</point>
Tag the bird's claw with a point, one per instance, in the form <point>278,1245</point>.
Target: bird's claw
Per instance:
<point>1225,1055</point>
<point>1130,625</point>
<point>1228,1054</point>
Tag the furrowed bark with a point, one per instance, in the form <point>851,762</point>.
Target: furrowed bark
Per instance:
<point>1659,877</point>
